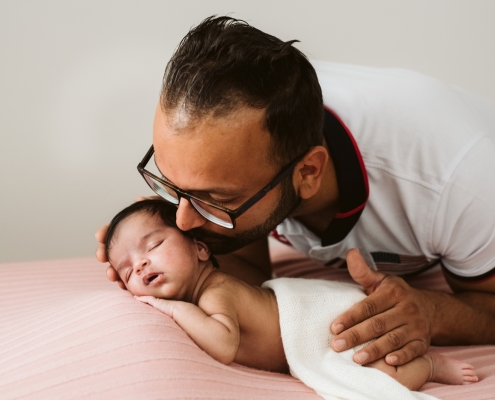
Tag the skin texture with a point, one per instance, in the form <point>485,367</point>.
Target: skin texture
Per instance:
<point>229,319</point>
<point>229,160</point>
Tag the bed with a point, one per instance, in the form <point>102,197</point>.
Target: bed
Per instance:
<point>66,332</point>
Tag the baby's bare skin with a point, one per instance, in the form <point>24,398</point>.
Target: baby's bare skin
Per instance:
<point>229,319</point>
<point>260,343</point>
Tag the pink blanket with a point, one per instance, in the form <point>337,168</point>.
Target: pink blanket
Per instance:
<point>66,332</point>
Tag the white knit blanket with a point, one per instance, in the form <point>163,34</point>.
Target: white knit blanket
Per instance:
<point>307,307</point>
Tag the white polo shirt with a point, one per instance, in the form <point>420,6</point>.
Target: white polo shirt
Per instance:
<point>425,154</point>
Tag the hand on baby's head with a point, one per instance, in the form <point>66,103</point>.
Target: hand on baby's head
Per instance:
<point>151,255</point>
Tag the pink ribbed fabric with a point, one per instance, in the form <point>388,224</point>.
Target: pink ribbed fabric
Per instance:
<point>68,333</point>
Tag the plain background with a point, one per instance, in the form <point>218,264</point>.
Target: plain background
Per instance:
<point>80,80</point>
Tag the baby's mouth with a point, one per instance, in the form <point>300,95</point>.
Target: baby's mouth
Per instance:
<point>153,278</point>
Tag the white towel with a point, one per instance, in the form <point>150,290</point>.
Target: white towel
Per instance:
<point>307,307</point>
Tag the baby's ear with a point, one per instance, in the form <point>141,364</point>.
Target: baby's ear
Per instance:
<point>202,250</point>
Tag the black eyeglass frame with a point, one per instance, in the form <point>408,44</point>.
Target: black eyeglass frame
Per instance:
<point>233,214</point>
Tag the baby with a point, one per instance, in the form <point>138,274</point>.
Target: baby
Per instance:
<point>232,321</point>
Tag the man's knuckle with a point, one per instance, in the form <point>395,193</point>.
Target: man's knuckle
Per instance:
<point>395,339</point>
<point>354,336</point>
<point>378,326</point>
<point>411,309</point>
<point>369,309</point>
<point>398,292</point>
<point>374,351</point>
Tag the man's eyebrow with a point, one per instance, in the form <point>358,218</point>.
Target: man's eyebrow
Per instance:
<point>218,190</point>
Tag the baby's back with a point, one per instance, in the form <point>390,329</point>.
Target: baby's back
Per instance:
<point>260,338</point>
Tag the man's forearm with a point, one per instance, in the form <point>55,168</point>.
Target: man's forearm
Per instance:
<point>463,318</point>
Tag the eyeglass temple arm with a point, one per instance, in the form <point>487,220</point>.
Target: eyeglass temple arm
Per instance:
<point>267,188</point>
<point>146,158</point>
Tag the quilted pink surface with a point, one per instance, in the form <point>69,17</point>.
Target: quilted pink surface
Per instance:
<point>66,332</point>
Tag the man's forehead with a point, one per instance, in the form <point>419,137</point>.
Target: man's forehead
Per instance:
<point>231,150</point>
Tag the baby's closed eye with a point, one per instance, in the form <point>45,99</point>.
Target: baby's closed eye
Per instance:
<point>155,245</point>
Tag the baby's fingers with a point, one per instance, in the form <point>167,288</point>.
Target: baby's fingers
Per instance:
<point>164,306</point>
<point>146,299</point>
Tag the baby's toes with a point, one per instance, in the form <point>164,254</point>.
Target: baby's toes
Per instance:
<point>469,376</point>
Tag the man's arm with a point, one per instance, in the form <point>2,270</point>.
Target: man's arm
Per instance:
<point>215,330</point>
<point>405,319</point>
<point>473,319</point>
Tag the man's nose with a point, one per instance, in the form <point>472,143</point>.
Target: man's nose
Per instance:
<point>187,217</point>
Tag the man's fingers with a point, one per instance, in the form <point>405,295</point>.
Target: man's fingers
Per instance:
<point>409,352</point>
<point>367,330</point>
<point>382,347</point>
<point>361,272</point>
<point>100,254</point>
<point>101,234</point>
<point>372,305</point>
<point>112,275</point>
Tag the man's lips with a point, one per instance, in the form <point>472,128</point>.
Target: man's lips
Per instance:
<point>153,279</point>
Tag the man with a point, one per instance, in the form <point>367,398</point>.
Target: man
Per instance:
<point>394,163</point>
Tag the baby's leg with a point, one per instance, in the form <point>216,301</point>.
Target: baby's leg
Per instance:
<point>429,368</point>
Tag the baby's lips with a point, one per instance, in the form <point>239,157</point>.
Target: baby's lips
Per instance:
<point>153,279</point>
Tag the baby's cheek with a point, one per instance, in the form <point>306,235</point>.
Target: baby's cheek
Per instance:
<point>134,288</point>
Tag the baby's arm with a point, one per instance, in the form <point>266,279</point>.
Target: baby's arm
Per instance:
<point>214,327</point>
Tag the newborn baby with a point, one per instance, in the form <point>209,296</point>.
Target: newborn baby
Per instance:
<point>232,321</point>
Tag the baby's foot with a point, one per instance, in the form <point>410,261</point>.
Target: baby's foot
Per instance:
<point>450,371</point>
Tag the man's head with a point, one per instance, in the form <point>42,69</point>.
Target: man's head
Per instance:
<point>151,255</point>
<point>236,106</point>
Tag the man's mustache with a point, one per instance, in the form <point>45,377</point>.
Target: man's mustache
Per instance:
<point>201,233</point>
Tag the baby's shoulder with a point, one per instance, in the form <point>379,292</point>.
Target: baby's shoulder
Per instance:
<point>224,288</point>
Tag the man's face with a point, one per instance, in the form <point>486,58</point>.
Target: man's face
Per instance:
<point>225,160</point>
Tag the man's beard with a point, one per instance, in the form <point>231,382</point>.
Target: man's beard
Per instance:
<point>223,244</point>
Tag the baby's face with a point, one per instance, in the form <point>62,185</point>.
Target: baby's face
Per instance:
<point>153,259</point>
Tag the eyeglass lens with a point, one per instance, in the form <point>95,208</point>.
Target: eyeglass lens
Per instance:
<point>212,214</point>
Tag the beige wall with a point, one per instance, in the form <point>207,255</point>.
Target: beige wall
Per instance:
<point>79,81</point>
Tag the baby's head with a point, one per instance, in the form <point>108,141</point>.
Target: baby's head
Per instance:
<point>151,255</point>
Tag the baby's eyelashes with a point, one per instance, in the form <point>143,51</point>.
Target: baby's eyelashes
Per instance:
<point>155,245</point>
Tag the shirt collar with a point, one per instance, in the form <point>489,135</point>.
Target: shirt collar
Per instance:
<point>352,178</point>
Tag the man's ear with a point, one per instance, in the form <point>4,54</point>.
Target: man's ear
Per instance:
<point>309,172</point>
<point>202,250</point>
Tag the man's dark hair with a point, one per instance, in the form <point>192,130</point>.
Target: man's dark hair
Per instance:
<point>224,63</point>
<point>166,211</point>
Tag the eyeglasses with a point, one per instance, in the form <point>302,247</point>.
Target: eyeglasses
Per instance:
<point>212,212</point>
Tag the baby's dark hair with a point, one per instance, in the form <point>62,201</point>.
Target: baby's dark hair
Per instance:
<point>166,211</point>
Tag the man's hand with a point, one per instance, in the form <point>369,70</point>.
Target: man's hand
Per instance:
<point>396,315</point>
<point>101,257</point>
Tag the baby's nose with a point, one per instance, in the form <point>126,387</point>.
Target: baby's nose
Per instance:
<point>140,265</point>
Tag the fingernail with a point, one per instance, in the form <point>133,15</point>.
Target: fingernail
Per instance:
<point>393,359</point>
<point>339,344</point>
<point>362,357</point>
<point>338,328</point>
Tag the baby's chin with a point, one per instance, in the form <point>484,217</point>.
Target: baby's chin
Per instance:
<point>155,292</point>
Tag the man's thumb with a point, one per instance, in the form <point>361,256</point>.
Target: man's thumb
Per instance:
<point>361,272</point>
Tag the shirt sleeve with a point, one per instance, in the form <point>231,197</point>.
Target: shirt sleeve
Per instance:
<point>463,233</point>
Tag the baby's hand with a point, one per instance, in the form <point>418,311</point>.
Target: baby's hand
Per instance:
<point>162,305</point>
